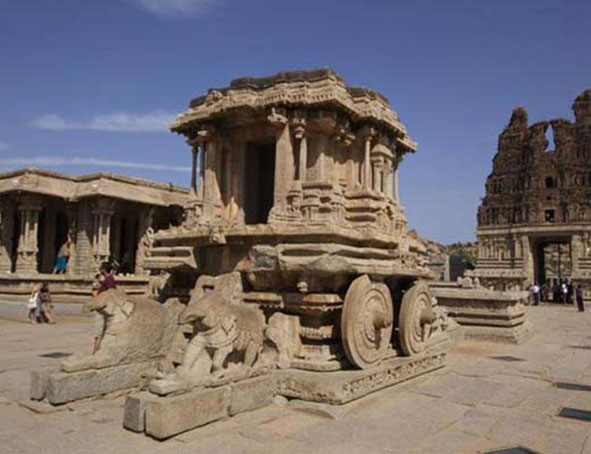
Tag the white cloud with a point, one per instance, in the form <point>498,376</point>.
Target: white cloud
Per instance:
<point>176,7</point>
<point>114,122</point>
<point>53,161</point>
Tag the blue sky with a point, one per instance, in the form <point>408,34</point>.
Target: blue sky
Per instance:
<point>89,86</point>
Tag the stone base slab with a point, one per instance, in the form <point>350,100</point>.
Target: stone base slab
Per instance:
<point>504,335</point>
<point>340,387</point>
<point>165,416</point>
<point>61,387</point>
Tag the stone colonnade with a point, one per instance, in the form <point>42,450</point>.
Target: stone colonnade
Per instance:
<point>31,236</point>
<point>304,152</point>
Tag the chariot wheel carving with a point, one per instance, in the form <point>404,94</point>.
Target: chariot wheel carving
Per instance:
<point>366,322</point>
<point>415,319</point>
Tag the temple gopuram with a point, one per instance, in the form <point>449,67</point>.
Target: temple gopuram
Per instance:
<point>534,224</point>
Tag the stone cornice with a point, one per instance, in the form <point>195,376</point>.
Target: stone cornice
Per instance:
<point>73,188</point>
<point>298,89</point>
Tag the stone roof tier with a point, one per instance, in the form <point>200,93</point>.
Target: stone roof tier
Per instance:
<point>297,89</point>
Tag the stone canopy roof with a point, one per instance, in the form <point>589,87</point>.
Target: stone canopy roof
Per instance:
<point>298,89</point>
<point>74,188</point>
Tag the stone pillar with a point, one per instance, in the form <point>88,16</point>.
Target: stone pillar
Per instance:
<point>26,260</point>
<point>7,217</point>
<point>49,253</point>
<point>212,200</point>
<point>194,153</point>
<point>369,134</point>
<point>284,162</point>
<point>367,163</point>
<point>302,144</point>
<point>388,175</point>
<point>72,213</point>
<point>577,252</point>
<point>396,194</point>
<point>528,260</point>
<point>146,216</point>
<point>376,176</point>
<point>101,248</point>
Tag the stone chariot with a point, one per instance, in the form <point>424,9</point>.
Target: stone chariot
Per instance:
<point>295,194</point>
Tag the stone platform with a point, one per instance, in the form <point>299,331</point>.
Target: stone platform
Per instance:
<point>343,386</point>
<point>162,417</point>
<point>488,315</point>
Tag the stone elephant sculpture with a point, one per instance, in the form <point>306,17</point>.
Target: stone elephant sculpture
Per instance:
<point>135,329</point>
<point>220,330</point>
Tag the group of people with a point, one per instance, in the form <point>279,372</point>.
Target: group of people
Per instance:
<point>562,291</point>
<point>40,305</point>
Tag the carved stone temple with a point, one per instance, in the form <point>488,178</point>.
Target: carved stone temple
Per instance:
<point>105,217</point>
<point>534,224</point>
<point>293,258</point>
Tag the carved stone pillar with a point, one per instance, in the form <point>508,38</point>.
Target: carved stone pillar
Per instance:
<point>302,144</point>
<point>146,216</point>
<point>284,162</point>
<point>72,213</point>
<point>26,260</point>
<point>577,252</point>
<point>388,175</point>
<point>368,137</point>
<point>396,183</point>
<point>377,183</point>
<point>6,232</point>
<point>194,155</point>
<point>102,212</point>
<point>212,198</point>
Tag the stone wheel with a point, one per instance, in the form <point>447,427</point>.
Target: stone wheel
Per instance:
<point>415,319</point>
<point>366,322</point>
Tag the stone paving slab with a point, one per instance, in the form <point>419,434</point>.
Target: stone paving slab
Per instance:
<point>474,404</point>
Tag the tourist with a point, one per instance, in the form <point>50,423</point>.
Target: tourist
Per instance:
<point>63,255</point>
<point>46,304</point>
<point>579,296</point>
<point>104,281</point>
<point>569,292</point>
<point>108,278</point>
<point>564,290</point>
<point>535,291</point>
<point>34,305</point>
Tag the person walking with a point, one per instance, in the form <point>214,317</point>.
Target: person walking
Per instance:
<point>535,290</point>
<point>579,297</point>
<point>34,305</point>
<point>46,305</point>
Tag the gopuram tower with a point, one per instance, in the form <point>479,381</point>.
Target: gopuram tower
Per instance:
<point>534,224</point>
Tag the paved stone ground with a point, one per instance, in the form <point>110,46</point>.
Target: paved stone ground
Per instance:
<point>480,401</point>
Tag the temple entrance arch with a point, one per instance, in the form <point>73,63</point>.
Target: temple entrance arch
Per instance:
<point>552,258</point>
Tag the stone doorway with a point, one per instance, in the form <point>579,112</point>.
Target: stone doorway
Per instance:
<point>259,182</point>
<point>552,259</point>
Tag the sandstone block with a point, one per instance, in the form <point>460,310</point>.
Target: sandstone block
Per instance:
<point>65,387</point>
<point>171,415</point>
<point>134,414</point>
<point>252,394</point>
<point>38,383</point>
